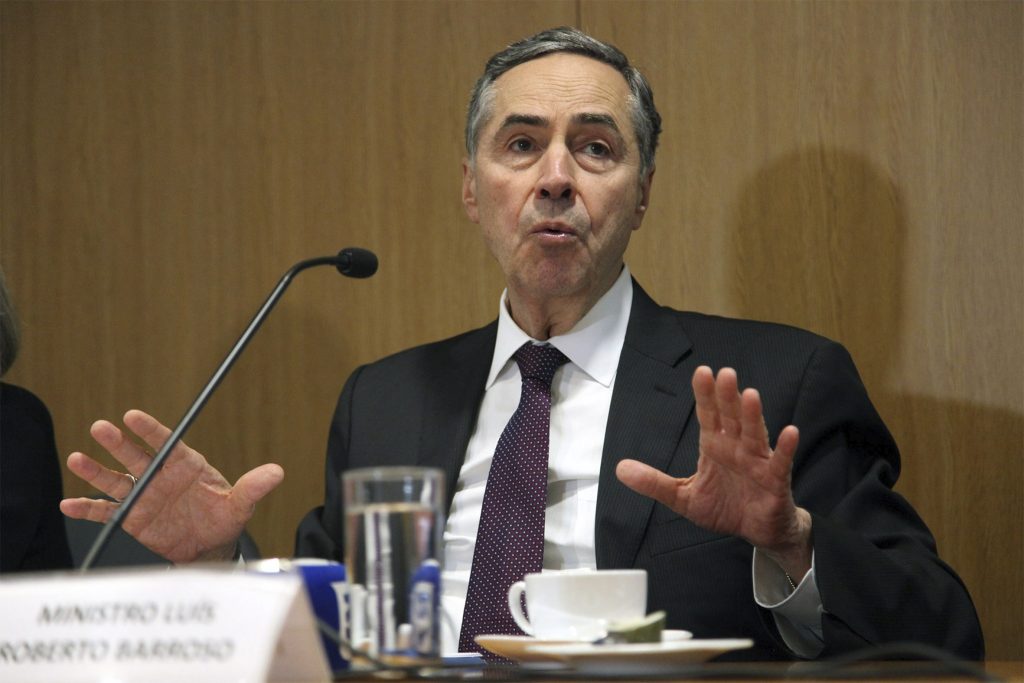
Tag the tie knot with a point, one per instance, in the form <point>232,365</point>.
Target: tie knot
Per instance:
<point>539,361</point>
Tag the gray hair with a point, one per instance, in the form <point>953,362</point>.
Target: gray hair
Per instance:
<point>646,120</point>
<point>9,336</point>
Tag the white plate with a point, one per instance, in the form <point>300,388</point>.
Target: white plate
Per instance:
<point>637,658</point>
<point>514,647</point>
<point>520,648</point>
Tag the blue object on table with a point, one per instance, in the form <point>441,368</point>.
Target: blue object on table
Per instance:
<point>319,577</point>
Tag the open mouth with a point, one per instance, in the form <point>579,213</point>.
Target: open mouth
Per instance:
<point>555,230</point>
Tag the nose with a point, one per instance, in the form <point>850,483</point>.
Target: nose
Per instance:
<point>556,180</point>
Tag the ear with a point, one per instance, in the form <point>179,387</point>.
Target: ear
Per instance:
<point>469,191</point>
<point>645,198</point>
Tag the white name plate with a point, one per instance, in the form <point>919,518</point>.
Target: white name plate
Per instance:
<point>156,625</point>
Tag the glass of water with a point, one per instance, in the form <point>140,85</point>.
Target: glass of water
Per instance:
<point>393,530</point>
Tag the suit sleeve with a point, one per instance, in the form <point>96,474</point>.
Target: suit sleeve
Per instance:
<point>878,572</point>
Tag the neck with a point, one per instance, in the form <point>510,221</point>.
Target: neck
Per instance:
<point>543,317</point>
<point>543,320</point>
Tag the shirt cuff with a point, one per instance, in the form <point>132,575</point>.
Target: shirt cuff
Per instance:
<point>797,613</point>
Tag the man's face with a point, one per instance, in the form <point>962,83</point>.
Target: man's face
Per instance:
<point>556,185</point>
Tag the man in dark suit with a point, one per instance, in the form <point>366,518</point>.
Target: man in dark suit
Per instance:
<point>561,136</point>
<point>875,564</point>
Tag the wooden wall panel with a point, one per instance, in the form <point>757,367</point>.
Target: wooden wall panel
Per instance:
<point>854,168</point>
<point>164,163</point>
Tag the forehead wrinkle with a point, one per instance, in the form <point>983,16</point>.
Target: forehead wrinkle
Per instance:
<point>588,93</point>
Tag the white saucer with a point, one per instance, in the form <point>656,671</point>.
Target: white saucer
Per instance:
<point>514,647</point>
<point>521,648</point>
<point>637,658</point>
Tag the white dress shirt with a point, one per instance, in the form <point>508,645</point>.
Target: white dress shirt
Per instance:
<point>581,394</point>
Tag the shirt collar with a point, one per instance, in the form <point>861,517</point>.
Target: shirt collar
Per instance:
<point>593,345</point>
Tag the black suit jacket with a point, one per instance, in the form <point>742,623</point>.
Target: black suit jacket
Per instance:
<point>32,533</point>
<point>877,570</point>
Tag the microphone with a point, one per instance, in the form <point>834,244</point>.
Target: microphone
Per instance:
<point>356,262</point>
<point>351,262</point>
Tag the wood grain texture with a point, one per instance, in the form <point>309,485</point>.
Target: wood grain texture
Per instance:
<point>164,163</point>
<point>856,169</point>
<point>853,168</point>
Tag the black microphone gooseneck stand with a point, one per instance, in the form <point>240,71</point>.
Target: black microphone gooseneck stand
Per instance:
<point>352,262</point>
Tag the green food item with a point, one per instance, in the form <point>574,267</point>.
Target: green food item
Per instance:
<point>645,630</point>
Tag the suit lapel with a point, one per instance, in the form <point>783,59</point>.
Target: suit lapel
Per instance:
<point>451,401</point>
<point>651,404</point>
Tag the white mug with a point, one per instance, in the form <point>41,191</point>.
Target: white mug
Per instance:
<point>578,604</point>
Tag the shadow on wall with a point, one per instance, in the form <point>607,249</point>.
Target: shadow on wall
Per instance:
<point>820,241</point>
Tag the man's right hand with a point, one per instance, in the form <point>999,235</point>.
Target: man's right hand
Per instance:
<point>189,512</point>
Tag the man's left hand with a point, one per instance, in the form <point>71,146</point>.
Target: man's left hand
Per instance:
<point>742,486</point>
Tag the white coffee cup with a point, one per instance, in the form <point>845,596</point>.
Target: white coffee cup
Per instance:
<point>578,604</point>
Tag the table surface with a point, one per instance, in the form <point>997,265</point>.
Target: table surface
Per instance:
<point>880,672</point>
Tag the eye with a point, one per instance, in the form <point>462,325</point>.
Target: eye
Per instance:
<point>521,145</point>
<point>597,149</point>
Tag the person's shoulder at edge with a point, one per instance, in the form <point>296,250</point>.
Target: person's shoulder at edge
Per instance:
<point>20,408</point>
<point>450,348</point>
<point>33,536</point>
<point>22,397</point>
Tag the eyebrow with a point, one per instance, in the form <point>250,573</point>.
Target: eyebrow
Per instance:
<point>599,119</point>
<point>584,118</point>
<point>523,120</point>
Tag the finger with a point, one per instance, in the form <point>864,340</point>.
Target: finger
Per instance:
<point>727,397</point>
<point>88,508</point>
<point>156,434</point>
<point>252,486</point>
<point>704,392</point>
<point>151,430</point>
<point>125,451</point>
<point>650,482</point>
<point>754,431</point>
<point>785,451</point>
<point>147,427</point>
<point>115,484</point>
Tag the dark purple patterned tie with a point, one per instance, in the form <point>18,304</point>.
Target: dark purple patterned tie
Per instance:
<point>510,540</point>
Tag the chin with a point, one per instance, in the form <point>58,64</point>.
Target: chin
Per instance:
<point>552,283</point>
